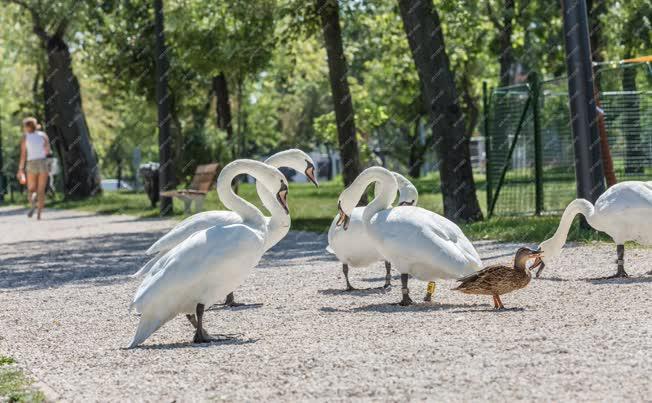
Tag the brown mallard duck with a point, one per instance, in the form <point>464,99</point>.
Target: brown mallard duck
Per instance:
<point>501,279</point>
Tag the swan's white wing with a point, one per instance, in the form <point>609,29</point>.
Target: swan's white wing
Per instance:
<point>353,246</point>
<point>624,212</point>
<point>190,225</point>
<point>425,244</point>
<point>201,270</point>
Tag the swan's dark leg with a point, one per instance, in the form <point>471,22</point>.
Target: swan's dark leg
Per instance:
<point>192,320</point>
<point>230,301</point>
<point>405,290</point>
<point>430,291</point>
<point>345,270</point>
<point>200,335</point>
<point>388,275</point>
<point>620,250</point>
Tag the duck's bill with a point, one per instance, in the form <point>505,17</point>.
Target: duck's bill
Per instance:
<point>310,174</point>
<point>538,264</point>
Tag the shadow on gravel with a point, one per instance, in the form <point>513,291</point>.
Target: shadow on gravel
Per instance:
<point>358,292</point>
<point>174,346</point>
<point>619,281</point>
<point>70,217</point>
<point>310,248</point>
<point>489,308</point>
<point>421,307</point>
<point>102,259</point>
<point>557,279</point>
<point>13,212</point>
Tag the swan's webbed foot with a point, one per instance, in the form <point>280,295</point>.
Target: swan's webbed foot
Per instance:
<point>406,301</point>
<point>619,274</point>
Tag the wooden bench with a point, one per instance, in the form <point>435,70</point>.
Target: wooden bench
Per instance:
<point>201,184</point>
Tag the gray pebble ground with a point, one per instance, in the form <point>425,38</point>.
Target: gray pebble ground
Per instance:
<point>64,293</point>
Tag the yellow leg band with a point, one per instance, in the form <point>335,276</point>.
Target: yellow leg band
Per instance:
<point>431,287</point>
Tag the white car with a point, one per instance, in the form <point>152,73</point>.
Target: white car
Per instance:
<point>111,185</point>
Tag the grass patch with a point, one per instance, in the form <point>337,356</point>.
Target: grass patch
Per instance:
<point>6,360</point>
<point>313,209</point>
<point>14,385</point>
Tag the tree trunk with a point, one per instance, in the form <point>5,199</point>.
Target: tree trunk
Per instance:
<point>634,157</point>
<point>66,123</point>
<point>417,150</point>
<point>223,110</point>
<point>328,11</point>
<point>423,28</point>
<point>506,57</point>
<point>166,171</point>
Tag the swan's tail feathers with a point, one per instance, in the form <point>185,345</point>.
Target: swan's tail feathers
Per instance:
<point>146,327</point>
<point>154,249</point>
<point>330,250</point>
<point>146,267</point>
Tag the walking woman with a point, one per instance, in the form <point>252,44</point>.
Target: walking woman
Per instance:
<point>34,148</point>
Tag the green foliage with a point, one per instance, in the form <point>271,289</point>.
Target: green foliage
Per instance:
<point>272,50</point>
<point>14,385</point>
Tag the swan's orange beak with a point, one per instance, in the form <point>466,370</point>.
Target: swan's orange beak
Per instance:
<point>344,219</point>
<point>310,173</point>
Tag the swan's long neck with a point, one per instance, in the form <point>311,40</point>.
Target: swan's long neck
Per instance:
<point>249,213</point>
<point>385,191</point>
<point>279,223</point>
<point>577,206</point>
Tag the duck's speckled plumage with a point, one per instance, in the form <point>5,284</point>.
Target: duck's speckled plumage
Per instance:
<point>500,279</point>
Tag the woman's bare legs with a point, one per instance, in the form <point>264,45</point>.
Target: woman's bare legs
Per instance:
<point>42,183</point>
<point>32,186</point>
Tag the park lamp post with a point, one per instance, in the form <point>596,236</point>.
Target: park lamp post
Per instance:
<point>589,172</point>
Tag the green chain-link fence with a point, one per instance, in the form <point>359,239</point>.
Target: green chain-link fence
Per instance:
<point>529,144</point>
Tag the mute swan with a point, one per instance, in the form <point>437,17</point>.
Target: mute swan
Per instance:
<point>500,279</point>
<point>624,212</point>
<point>212,262</point>
<point>416,241</point>
<point>353,247</point>
<point>278,227</point>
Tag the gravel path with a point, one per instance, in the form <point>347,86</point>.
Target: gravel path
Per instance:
<point>64,293</point>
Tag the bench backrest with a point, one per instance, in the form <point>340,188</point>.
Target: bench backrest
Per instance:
<point>204,177</point>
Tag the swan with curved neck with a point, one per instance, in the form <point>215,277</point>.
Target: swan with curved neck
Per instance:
<point>353,247</point>
<point>416,241</point>
<point>279,225</point>
<point>212,262</point>
<point>624,212</point>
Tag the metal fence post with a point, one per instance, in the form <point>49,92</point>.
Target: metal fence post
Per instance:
<point>535,91</point>
<point>487,144</point>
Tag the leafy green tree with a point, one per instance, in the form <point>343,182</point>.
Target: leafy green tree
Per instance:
<point>424,32</point>
<point>65,120</point>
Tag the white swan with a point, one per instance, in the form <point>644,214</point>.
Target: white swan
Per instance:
<point>353,247</point>
<point>624,212</point>
<point>211,263</point>
<point>278,226</point>
<point>414,240</point>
